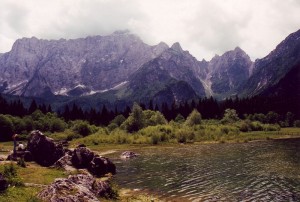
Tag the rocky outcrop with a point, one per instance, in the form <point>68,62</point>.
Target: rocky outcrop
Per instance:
<point>82,157</point>
<point>65,163</point>
<point>268,71</point>
<point>81,187</point>
<point>36,67</point>
<point>228,72</point>
<point>43,149</point>
<point>101,165</point>
<point>128,154</point>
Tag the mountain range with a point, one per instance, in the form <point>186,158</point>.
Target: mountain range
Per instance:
<point>120,68</point>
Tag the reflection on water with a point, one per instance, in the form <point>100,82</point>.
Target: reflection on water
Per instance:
<point>258,171</point>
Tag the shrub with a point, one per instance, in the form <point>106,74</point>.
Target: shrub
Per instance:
<point>181,137</point>
<point>272,117</point>
<point>10,173</point>
<point>271,127</point>
<point>72,136</point>
<point>154,139</point>
<point>112,126</point>
<point>297,123</point>
<point>179,119</point>
<point>57,125</point>
<point>21,163</point>
<point>6,128</point>
<point>225,130</point>
<point>230,116</point>
<point>157,119</point>
<point>184,136</point>
<point>194,118</point>
<point>256,126</point>
<point>135,121</point>
<point>118,120</point>
<point>82,127</point>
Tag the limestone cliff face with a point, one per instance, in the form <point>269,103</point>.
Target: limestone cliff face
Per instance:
<point>121,67</point>
<point>93,64</point>
<point>269,70</point>
<point>229,71</point>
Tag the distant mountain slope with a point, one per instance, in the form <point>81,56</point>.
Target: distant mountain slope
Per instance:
<point>229,71</point>
<point>94,64</point>
<point>120,68</point>
<point>269,70</point>
<point>288,86</point>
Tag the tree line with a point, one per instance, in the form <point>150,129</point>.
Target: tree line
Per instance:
<point>209,108</point>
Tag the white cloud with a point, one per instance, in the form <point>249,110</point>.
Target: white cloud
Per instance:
<point>204,27</point>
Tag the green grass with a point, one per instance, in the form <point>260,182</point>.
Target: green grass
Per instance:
<point>33,174</point>
<point>20,194</point>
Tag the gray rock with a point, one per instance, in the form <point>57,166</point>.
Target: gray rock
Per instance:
<point>37,67</point>
<point>43,149</point>
<point>100,166</point>
<point>82,157</point>
<point>81,187</point>
<point>128,154</point>
<point>65,163</point>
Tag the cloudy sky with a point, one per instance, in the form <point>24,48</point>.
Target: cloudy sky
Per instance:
<point>204,27</point>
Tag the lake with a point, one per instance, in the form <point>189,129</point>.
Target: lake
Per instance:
<point>255,171</point>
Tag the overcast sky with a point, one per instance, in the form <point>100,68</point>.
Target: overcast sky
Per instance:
<point>204,27</point>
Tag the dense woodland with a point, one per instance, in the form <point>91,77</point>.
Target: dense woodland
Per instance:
<point>209,108</point>
<point>205,119</point>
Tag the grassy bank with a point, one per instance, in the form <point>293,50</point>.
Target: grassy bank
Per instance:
<point>35,176</point>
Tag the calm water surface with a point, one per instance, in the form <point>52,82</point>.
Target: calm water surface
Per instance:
<point>257,171</point>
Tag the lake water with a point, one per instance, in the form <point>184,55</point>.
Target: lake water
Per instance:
<point>257,171</point>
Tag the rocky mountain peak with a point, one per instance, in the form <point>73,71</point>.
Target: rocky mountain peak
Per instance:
<point>270,69</point>
<point>176,46</point>
<point>229,71</point>
<point>120,32</point>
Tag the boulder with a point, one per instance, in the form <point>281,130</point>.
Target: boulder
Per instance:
<point>100,166</point>
<point>82,157</point>
<point>65,190</point>
<point>102,188</point>
<point>128,154</point>
<point>27,156</point>
<point>43,149</point>
<point>80,187</point>
<point>3,183</point>
<point>64,163</point>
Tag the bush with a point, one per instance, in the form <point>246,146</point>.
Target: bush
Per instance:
<point>72,136</point>
<point>21,163</point>
<point>154,139</point>
<point>225,130</point>
<point>82,127</point>
<point>118,120</point>
<point>179,119</point>
<point>6,128</point>
<point>271,127</point>
<point>230,116</point>
<point>57,125</point>
<point>297,123</point>
<point>112,126</point>
<point>10,173</point>
<point>193,119</point>
<point>184,136</point>
<point>244,126</point>
<point>272,117</point>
